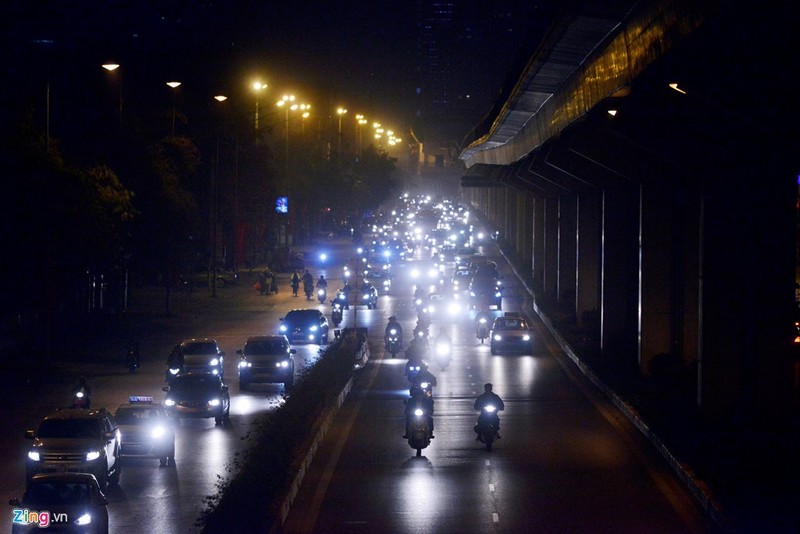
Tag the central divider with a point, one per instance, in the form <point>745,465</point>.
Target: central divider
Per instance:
<point>267,476</point>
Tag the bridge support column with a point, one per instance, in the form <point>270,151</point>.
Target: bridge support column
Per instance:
<point>538,245</point>
<point>550,281</point>
<point>567,250</point>
<point>620,274</point>
<point>587,297</point>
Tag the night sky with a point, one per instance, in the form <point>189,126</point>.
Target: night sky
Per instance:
<point>359,53</point>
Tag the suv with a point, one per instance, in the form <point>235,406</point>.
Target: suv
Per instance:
<point>266,359</point>
<point>202,355</point>
<point>76,440</point>
<point>309,326</point>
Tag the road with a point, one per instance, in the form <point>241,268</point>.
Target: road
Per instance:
<point>567,462</point>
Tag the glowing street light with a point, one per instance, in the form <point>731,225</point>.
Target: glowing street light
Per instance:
<point>340,111</point>
<point>174,86</point>
<point>258,87</point>
<point>110,66</point>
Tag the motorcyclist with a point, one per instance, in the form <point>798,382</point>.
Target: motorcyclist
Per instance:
<point>483,313</point>
<point>308,284</point>
<point>418,399</point>
<point>443,337</point>
<point>295,283</point>
<point>85,390</point>
<point>416,349</point>
<point>174,361</point>
<point>322,283</point>
<point>393,324</point>
<point>346,290</point>
<point>488,397</point>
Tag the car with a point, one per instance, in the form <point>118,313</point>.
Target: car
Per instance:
<point>485,291</point>
<point>76,440</point>
<point>70,502</point>
<point>145,430</point>
<point>446,305</point>
<point>266,359</point>
<point>305,325</point>
<point>460,280</point>
<point>198,395</point>
<point>511,333</point>
<point>202,355</point>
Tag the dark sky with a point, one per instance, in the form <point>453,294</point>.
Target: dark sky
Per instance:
<point>357,52</point>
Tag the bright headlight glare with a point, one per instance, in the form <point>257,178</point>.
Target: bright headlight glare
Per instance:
<point>526,337</point>
<point>169,402</point>
<point>498,294</point>
<point>498,337</point>
<point>214,362</point>
<point>418,412</point>
<point>174,370</point>
<point>85,519</point>
<point>282,328</point>
<point>213,402</point>
<point>157,432</point>
<point>33,455</point>
<point>489,408</point>
<point>283,364</point>
<point>94,455</point>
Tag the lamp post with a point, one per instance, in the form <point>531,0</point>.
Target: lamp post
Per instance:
<point>174,86</point>
<point>214,210</point>
<point>258,87</point>
<point>340,111</point>
<point>286,103</point>
<point>111,67</point>
<point>360,122</point>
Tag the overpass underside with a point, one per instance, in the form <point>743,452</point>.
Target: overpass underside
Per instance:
<point>666,231</point>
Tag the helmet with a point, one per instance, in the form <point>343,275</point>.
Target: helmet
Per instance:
<point>392,319</point>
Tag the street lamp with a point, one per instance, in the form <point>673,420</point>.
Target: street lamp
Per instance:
<point>214,210</point>
<point>174,86</point>
<point>340,111</point>
<point>286,103</point>
<point>111,67</point>
<point>258,87</point>
<point>360,122</point>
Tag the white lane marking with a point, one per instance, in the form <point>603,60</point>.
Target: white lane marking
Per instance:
<point>495,518</point>
<point>491,488</point>
<point>488,463</point>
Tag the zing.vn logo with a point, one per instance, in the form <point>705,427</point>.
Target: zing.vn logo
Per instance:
<point>41,519</point>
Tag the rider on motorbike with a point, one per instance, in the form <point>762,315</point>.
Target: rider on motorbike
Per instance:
<point>488,397</point>
<point>443,338</point>
<point>82,393</point>
<point>308,284</point>
<point>295,283</point>
<point>418,399</point>
<point>346,290</point>
<point>322,283</point>
<point>483,313</point>
<point>393,324</point>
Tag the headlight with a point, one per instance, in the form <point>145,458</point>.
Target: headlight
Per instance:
<point>314,328</point>
<point>498,294</point>
<point>91,456</point>
<point>489,408</point>
<point>33,455</point>
<point>526,337</point>
<point>283,364</point>
<point>213,402</point>
<point>321,292</point>
<point>323,256</point>
<point>433,273</point>
<point>169,402</point>
<point>482,320</point>
<point>393,331</point>
<point>244,365</point>
<point>418,412</point>
<point>214,362</point>
<point>85,519</point>
<point>157,432</point>
<point>174,370</point>
<point>282,328</point>
<point>414,273</point>
<point>471,293</point>
<point>498,337</point>
<point>423,385</point>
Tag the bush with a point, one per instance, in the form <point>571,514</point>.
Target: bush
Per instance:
<point>262,475</point>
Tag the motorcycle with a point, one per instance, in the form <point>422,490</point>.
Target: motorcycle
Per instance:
<point>308,289</point>
<point>172,371</point>
<point>483,329</point>
<point>419,431</point>
<point>132,358</point>
<point>442,352</point>
<point>295,287</point>
<point>80,399</point>
<point>393,342</point>
<point>322,294</point>
<point>488,422</point>
<point>336,312</point>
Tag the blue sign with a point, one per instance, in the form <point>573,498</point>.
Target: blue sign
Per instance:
<point>282,205</point>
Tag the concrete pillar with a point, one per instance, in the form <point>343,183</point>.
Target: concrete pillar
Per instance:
<point>550,287</point>
<point>655,272</point>
<point>538,245</point>
<point>567,248</point>
<point>620,269</point>
<point>587,298</point>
